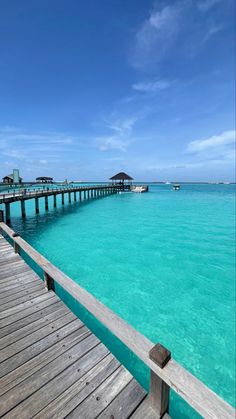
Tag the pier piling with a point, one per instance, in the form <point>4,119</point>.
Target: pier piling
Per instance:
<point>46,203</point>
<point>7,212</point>
<point>22,204</point>
<point>37,205</point>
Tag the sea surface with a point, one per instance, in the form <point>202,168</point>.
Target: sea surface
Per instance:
<point>164,261</point>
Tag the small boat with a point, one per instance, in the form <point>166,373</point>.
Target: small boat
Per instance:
<point>176,187</point>
<point>139,189</point>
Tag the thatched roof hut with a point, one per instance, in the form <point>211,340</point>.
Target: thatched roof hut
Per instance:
<point>122,176</point>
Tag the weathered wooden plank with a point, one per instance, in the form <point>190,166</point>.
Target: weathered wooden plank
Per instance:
<point>6,261</point>
<point>43,301</point>
<point>144,411</point>
<point>20,393</point>
<point>22,296</point>
<point>32,327</point>
<point>37,293</point>
<point>17,277</point>
<point>60,383</point>
<point>125,403</point>
<point>11,286</point>
<point>43,358</point>
<point>23,306</point>
<point>36,335</point>
<point>14,265</point>
<point>23,309</point>
<point>20,288</point>
<point>93,405</point>
<point>28,353</point>
<point>50,306</point>
<point>61,406</point>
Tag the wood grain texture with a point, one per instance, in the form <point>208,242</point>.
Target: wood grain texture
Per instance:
<point>50,362</point>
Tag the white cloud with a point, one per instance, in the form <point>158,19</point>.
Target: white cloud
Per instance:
<point>111,143</point>
<point>216,142</point>
<point>16,154</point>
<point>120,140</point>
<point>151,86</point>
<point>156,34</point>
<point>43,161</point>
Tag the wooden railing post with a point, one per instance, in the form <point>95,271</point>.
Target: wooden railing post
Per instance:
<point>159,390</point>
<point>49,282</point>
<point>16,246</point>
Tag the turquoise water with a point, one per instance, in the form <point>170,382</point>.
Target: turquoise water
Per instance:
<point>164,261</point>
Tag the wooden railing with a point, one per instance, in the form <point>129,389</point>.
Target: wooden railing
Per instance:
<point>166,373</point>
<point>36,192</point>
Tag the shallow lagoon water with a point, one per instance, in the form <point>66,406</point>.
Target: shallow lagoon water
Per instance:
<point>164,261</point>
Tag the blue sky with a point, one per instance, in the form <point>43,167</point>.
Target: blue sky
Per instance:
<point>89,88</point>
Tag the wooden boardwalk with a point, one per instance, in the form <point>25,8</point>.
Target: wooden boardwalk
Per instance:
<point>51,365</point>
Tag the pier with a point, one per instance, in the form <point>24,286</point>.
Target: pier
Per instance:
<point>76,193</point>
<point>52,366</point>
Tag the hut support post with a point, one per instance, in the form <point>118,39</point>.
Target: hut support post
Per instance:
<point>80,195</point>
<point>7,212</point>
<point>55,201</point>
<point>75,196</point>
<point>36,205</point>
<point>62,198</point>
<point>159,390</point>
<point>69,197</point>
<point>22,204</point>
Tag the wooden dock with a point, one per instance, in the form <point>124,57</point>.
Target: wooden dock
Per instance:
<point>76,192</point>
<point>53,366</point>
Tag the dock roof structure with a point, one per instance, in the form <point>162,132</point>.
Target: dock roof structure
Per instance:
<point>121,176</point>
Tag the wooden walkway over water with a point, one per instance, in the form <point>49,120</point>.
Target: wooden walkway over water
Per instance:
<point>77,192</point>
<point>51,365</point>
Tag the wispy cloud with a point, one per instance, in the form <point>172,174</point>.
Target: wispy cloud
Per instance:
<point>151,86</point>
<point>120,139</point>
<point>156,34</point>
<point>216,142</point>
<point>173,30</point>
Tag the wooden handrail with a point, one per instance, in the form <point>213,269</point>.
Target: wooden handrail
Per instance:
<point>185,384</point>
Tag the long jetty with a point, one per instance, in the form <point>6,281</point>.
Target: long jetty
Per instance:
<point>52,366</point>
<point>80,193</point>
